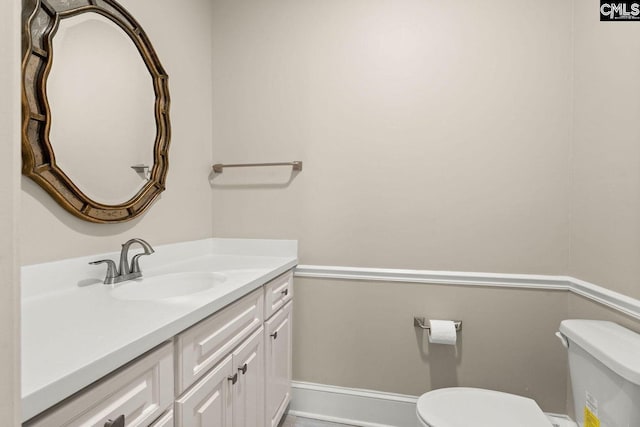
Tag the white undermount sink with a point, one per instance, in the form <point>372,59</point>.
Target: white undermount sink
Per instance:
<point>167,286</point>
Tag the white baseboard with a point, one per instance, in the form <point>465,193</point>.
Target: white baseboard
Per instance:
<point>351,406</point>
<point>365,408</point>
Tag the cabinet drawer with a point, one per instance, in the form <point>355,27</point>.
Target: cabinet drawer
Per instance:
<point>277,292</point>
<point>201,347</point>
<point>141,392</point>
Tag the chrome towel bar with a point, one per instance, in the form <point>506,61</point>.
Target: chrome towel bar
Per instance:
<point>420,323</point>
<point>219,167</point>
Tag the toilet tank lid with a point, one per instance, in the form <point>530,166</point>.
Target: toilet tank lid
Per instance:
<point>613,345</point>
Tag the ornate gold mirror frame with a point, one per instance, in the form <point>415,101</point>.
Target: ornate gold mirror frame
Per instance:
<point>41,19</point>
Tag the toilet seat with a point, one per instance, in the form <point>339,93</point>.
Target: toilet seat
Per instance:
<point>473,407</point>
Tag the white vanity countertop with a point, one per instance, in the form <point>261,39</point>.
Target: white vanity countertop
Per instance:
<point>74,331</point>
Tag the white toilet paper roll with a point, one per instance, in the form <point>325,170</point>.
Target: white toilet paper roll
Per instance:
<point>442,332</point>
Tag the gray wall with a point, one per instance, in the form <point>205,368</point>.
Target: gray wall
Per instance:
<point>9,213</point>
<point>360,334</point>
<point>435,135</point>
<point>605,208</point>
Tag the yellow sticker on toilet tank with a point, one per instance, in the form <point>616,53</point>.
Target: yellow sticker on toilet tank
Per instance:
<point>590,419</point>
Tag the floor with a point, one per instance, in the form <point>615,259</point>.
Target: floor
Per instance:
<point>292,421</point>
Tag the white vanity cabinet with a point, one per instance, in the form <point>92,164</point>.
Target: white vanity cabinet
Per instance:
<point>232,369</point>
<point>278,349</point>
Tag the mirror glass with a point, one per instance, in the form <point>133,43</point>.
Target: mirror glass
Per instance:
<point>101,99</point>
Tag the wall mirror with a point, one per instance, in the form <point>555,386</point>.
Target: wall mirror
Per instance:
<point>95,101</point>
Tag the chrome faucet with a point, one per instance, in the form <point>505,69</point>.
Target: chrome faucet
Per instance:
<point>126,271</point>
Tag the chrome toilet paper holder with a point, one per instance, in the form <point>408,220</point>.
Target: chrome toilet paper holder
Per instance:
<point>421,323</point>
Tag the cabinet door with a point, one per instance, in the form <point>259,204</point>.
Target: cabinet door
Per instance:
<point>248,392</point>
<point>208,402</point>
<point>278,364</point>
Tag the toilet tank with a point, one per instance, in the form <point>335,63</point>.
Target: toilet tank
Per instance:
<point>604,364</point>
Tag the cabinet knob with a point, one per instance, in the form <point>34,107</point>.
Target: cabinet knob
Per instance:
<point>243,369</point>
<point>233,378</point>
<point>274,335</point>
<point>118,422</point>
<point>285,292</point>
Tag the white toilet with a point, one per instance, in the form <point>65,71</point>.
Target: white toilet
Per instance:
<point>604,364</point>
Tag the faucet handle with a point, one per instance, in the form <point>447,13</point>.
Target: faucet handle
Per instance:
<point>135,263</point>
<point>112,272</point>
